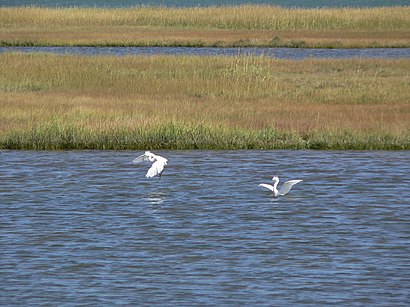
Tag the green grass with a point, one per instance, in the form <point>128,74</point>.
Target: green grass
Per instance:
<point>176,136</point>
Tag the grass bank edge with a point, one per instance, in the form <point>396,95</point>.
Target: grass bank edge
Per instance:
<point>174,136</point>
<point>245,43</point>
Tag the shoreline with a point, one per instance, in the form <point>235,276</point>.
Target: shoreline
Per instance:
<point>200,44</point>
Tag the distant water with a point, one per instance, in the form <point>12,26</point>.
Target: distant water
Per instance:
<point>281,53</point>
<point>187,3</point>
<point>87,228</point>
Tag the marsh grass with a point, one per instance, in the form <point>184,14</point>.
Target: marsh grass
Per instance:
<point>250,17</point>
<point>183,102</point>
<point>246,25</point>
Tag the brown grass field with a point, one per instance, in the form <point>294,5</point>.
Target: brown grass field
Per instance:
<point>180,102</point>
<point>213,26</point>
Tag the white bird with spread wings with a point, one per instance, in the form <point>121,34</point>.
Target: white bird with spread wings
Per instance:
<point>158,163</point>
<point>283,190</point>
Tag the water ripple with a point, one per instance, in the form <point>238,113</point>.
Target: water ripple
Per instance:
<point>86,227</point>
<point>280,53</point>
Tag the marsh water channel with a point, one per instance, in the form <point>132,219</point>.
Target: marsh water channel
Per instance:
<point>87,228</point>
<point>281,53</point>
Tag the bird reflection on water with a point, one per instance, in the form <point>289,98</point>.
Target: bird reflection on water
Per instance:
<point>155,198</point>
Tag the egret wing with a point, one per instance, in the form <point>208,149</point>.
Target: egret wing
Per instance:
<point>141,158</point>
<point>287,186</point>
<point>156,168</point>
<point>267,186</point>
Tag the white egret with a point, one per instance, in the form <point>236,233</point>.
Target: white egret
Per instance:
<point>283,190</point>
<point>158,163</point>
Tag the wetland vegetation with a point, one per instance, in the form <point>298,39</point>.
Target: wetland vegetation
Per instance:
<point>246,25</point>
<point>184,102</point>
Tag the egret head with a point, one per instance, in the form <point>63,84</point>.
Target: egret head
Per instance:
<point>150,155</point>
<point>275,178</point>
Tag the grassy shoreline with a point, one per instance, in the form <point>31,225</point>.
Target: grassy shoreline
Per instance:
<point>247,25</point>
<point>186,102</point>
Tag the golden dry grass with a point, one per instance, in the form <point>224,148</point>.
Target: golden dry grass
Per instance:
<point>213,26</point>
<point>202,102</point>
<point>232,17</point>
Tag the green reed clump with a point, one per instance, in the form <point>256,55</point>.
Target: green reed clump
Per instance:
<point>356,140</point>
<point>176,136</point>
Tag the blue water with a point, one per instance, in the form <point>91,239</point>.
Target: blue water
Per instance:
<point>87,228</point>
<point>187,3</point>
<point>281,53</point>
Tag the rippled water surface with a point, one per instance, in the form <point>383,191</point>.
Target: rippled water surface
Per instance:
<point>86,227</point>
<point>280,53</point>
